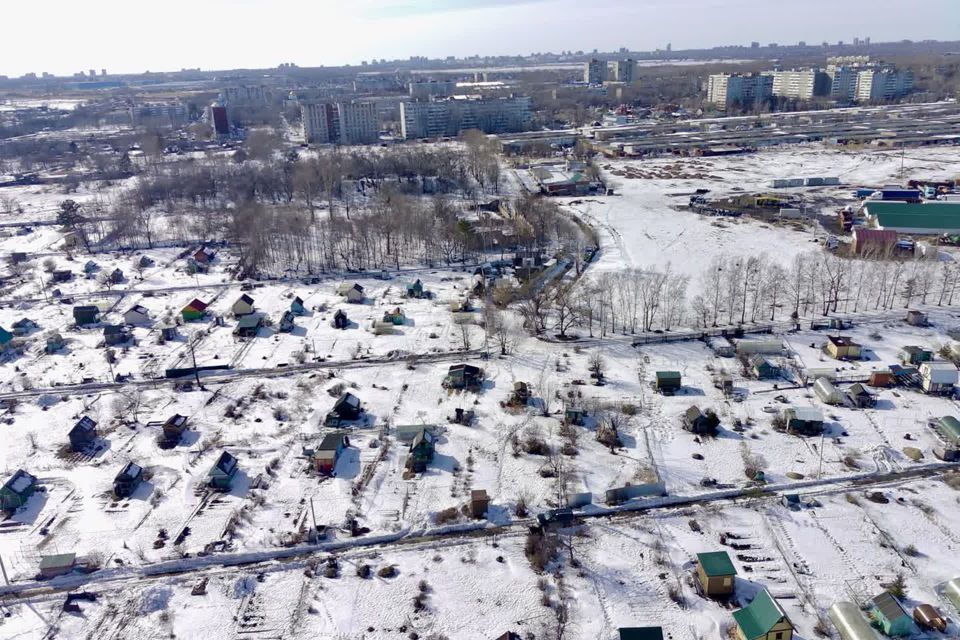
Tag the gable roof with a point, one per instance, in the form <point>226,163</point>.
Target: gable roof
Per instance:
<point>24,323</point>
<point>245,298</point>
<point>888,606</point>
<point>349,400</point>
<point>298,300</point>
<point>197,304</point>
<point>86,424</point>
<point>249,321</point>
<point>757,360</point>
<point>138,308</point>
<point>423,437</point>
<point>857,389</point>
<point>331,442</point>
<point>130,471</point>
<point>716,563</point>
<point>760,616</point>
<point>176,420</point>
<point>226,463</point>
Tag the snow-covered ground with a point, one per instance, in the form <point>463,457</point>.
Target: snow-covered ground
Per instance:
<point>642,227</point>
<point>628,570</point>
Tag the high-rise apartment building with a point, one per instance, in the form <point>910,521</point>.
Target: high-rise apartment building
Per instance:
<point>725,89</point>
<point>595,71</point>
<point>624,70</point>
<point>340,122</point>
<point>803,84</point>
<point>883,84</point>
<point>452,116</point>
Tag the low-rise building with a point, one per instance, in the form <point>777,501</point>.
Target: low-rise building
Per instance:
<point>127,481</point>
<point>137,314</point>
<point>668,381</point>
<point>86,314</point>
<point>803,420</point>
<point>223,472</point>
<point>352,291</point>
<point>763,619</point>
<point>716,573</point>
<point>83,433</point>
<point>938,377</point>
<point>889,615</point>
<point>328,452</point>
<point>16,491</point>
<point>243,306</point>
<point>842,348</point>
<point>195,310</point>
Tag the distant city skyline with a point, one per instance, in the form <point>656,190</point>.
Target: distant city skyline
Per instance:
<point>62,37</point>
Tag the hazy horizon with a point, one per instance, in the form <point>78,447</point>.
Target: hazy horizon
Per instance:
<point>225,34</point>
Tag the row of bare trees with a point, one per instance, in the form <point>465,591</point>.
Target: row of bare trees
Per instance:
<point>735,290</point>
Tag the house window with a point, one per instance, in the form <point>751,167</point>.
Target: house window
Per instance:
<point>779,635</point>
<point>727,582</point>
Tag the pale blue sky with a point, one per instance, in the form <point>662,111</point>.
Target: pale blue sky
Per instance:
<point>64,36</point>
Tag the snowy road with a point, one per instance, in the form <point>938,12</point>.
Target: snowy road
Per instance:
<point>27,591</point>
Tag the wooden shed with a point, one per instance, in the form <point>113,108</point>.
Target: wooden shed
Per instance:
<point>715,572</point>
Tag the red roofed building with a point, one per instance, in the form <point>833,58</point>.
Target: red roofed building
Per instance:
<point>194,310</point>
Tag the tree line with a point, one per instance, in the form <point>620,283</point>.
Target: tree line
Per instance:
<point>738,290</point>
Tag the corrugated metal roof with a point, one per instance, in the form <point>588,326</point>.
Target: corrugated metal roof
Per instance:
<point>888,606</point>
<point>760,616</point>
<point>906,215</point>
<point>716,563</point>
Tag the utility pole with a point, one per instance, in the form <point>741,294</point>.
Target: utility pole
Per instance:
<point>820,468</point>
<point>903,150</point>
<point>193,355</point>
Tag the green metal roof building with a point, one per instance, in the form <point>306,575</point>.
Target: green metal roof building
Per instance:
<point>763,619</point>
<point>716,563</point>
<point>930,218</point>
<point>715,573</point>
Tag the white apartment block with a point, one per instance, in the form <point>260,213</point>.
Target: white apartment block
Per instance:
<point>724,89</point>
<point>804,84</point>
<point>340,122</point>
<point>318,120</point>
<point>158,114</point>
<point>883,84</point>
<point>452,116</point>
<point>358,122</point>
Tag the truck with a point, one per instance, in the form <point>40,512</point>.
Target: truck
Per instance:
<point>904,195</point>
